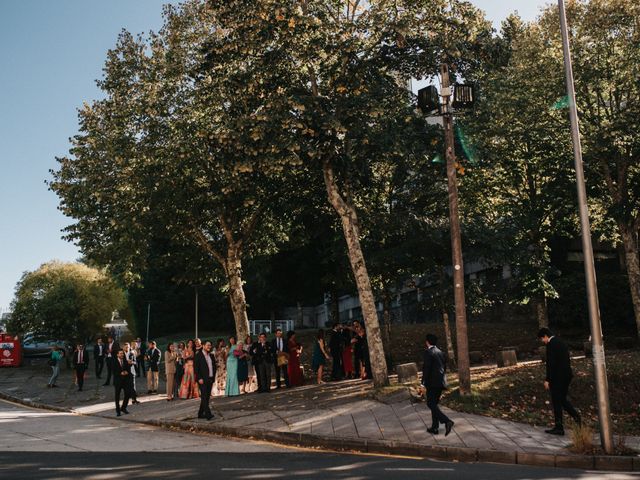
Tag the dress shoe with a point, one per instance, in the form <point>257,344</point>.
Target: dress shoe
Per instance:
<point>555,431</point>
<point>105,384</point>
<point>208,417</point>
<point>135,402</point>
<point>118,414</point>
<point>125,411</point>
<point>447,428</point>
<point>149,392</point>
<point>432,430</point>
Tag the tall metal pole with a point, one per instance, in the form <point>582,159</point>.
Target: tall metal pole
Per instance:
<point>196,313</point>
<point>599,367</point>
<point>462,341</point>
<point>148,317</point>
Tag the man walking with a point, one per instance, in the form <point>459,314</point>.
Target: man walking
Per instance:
<point>98,357</point>
<point>80,364</point>
<point>433,378</point>
<point>280,359</point>
<point>558,378</point>
<point>112,349</point>
<point>205,373</point>
<point>153,373</point>
<point>122,381</point>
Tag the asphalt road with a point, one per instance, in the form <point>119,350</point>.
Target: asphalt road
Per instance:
<point>37,444</point>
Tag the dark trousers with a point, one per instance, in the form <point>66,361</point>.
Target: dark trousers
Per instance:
<point>125,386</point>
<point>109,362</point>
<point>559,401</point>
<point>179,375</point>
<point>140,371</point>
<point>99,366</point>
<point>205,396</point>
<point>80,376</point>
<point>263,372</point>
<point>285,374</point>
<point>433,398</point>
<point>338,371</point>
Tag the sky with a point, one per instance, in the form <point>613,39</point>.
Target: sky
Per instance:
<point>51,53</point>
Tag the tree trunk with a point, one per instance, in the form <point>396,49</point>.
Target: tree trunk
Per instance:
<point>632,262</point>
<point>447,333</point>
<point>237,298</point>
<point>349,220</point>
<point>539,303</point>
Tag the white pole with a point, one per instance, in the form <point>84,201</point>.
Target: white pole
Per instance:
<point>196,313</point>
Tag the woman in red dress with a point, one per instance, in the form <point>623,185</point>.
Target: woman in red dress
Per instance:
<point>347,353</point>
<point>293,368</point>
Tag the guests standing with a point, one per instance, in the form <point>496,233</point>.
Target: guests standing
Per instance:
<point>433,378</point>
<point>189,385</point>
<point>170,361</point>
<point>179,368</point>
<point>130,357</point>
<point>98,357</point>
<point>248,348</point>
<point>122,381</point>
<point>243,366</point>
<point>54,362</point>
<point>232,388</point>
<point>361,349</point>
<point>80,364</point>
<point>320,356</point>
<point>140,354</point>
<point>347,352</point>
<point>153,372</point>
<point>112,349</point>
<point>262,358</point>
<point>205,371</point>
<point>335,347</point>
<point>295,350</point>
<point>220,355</point>
<point>558,379</point>
<point>281,358</point>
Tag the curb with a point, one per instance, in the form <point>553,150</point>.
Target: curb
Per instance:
<point>621,463</point>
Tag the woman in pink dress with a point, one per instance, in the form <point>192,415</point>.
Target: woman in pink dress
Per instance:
<point>188,386</point>
<point>293,368</point>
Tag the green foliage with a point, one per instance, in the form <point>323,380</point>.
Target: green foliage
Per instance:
<point>65,301</point>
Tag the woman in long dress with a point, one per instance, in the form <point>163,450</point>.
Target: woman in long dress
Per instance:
<point>320,356</point>
<point>188,385</point>
<point>221,366</point>
<point>232,387</point>
<point>293,367</point>
<point>243,366</point>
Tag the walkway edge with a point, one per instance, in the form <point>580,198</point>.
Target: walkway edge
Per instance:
<point>625,463</point>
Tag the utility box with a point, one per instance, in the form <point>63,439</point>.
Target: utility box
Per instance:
<point>10,351</point>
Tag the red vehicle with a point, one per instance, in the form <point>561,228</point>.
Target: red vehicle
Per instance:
<point>10,350</point>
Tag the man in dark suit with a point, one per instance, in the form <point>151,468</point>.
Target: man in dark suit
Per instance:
<point>262,358</point>
<point>280,348</point>
<point>558,378</point>
<point>110,355</point>
<point>434,367</point>
<point>205,373</point>
<point>335,348</point>
<point>153,357</point>
<point>122,381</point>
<point>80,364</point>
<point>99,351</point>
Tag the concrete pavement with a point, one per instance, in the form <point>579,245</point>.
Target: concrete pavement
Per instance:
<point>345,416</point>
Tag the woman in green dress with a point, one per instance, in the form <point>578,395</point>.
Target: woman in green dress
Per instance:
<point>243,366</point>
<point>320,356</point>
<point>231,388</point>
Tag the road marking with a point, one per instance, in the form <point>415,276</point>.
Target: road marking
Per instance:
<point>89,469</point>
<point>426,469</point>
<point>252,469</point>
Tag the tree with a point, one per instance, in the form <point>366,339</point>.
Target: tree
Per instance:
<point>66,301</point>
<point>606,50</point>
<point>522,185</point>
<point>177,153</point>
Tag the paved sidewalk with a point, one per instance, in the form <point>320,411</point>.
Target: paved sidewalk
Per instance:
<point>345,413</point>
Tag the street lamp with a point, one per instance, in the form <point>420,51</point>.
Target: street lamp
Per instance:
<point>429,101</point>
